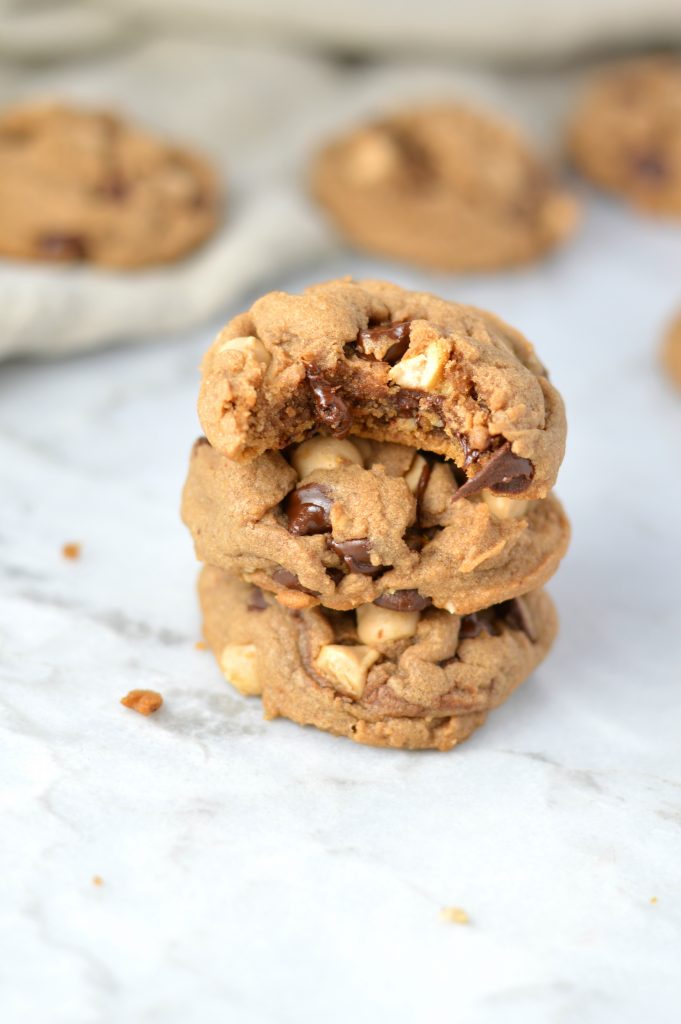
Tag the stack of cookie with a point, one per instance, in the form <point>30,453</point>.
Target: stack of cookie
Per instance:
<point>372,502</point>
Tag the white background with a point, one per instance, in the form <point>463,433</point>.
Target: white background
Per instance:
<point>260,872</point>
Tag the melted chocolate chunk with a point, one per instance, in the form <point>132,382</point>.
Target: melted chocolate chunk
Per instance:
<point>513,613</point>
<point>355,554</point>
<point>403,601</point>
<point>308,509</point>
<point>58,246</point>
<point>256,600</point>
<point>335,574</point>
<point>398,332</point>
<point>330,408</point>
<point>504,473</point>
<point>650,166</point>
<point>115,188</point>
<point>289,579</point>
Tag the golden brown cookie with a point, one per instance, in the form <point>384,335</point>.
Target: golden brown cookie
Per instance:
<point>391,679</point>
<point>626,133</point>
<point>79,185</point>
<point>443,187</point>
<point>373,360</point>
<point>671,351</point>
<point>348,522</point>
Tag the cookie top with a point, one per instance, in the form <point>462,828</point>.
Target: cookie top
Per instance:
<point>348,522</point>
<point>374,360</point>
<point>626,133</point>
<point>387,678</point>
<point>671,351</point>
<point>443,186</point>
<point>80,186</point>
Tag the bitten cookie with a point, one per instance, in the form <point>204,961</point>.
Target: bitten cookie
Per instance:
<point>385,678</point>
<point>443,187</point>
<point>373,360</point>
<point>348,522</point>
<point>671,351</point>
<point>85,186</point>
<point>626,133</point>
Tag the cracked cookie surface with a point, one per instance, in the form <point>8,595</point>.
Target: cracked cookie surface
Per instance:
<point>374,360</point>
<point>396,679</point>
<point>348,522</point>
<point>85,186</point>
<point>626,133</point>
<point>444,187</point>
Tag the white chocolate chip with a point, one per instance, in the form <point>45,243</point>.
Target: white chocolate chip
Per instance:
<point>346,666</point>
<point>239,666</point>
<point>504,508</point>
<point>324,453</point>
<point>248,346</point>
<point>412,477</point>
<point>423,370</point>
<point>381,625</point>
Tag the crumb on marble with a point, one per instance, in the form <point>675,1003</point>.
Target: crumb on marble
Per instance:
<point>71,550</point>
<point>143,701</point>
<point>454,915</point>
<point>97,880</point>
<point>653,899</point>
<point>201,645</point>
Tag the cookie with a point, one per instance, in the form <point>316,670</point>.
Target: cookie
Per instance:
<point>82,186</point>
<point>385,678</point>
<point>626,134</point>
<point>349,522</point>
<point>671,352</point>
<point>373,360</point>
<point>443,187</point>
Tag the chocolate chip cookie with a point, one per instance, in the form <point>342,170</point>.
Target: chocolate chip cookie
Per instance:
<point>444,187</point>
<point>410,679</point>
<point>83,186</point>
<point>671,351</point>
<point>626,133</point>
<point>344,522</point>
<point>373,360</point>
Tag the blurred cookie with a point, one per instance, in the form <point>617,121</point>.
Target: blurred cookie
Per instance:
<point>626,133</point>
<point>82,186</point>
<point>671,351</point>
<point>390,679</point>
<point>374,360</point>
<point>348,522</point>
<point>443,187</point>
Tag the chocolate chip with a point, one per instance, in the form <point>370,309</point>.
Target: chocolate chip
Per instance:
<point>421,488</point>
<point>115,188</point>
<point>650,166</point>
<point>514,613</point>
<point>397,331</point>
<point>289,580</point>
<point>308,509</point>
<point>330,408</point>
<point>355,554</point>
<point>504,473</point>
<point>403,601</point>
<point>58,246</point>
<point>517,615</point>
<point>416,539</point>
<point>256,600</point>
<point>335,574</point>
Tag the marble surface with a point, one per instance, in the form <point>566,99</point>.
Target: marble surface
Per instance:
<point>259,872</point>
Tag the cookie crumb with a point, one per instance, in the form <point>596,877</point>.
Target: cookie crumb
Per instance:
<point>71,550</point>
<point>201,645</point>
<point>653,899</point>
<point>97,880</point>
<point>144,701</point>
<point>454,915</point>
